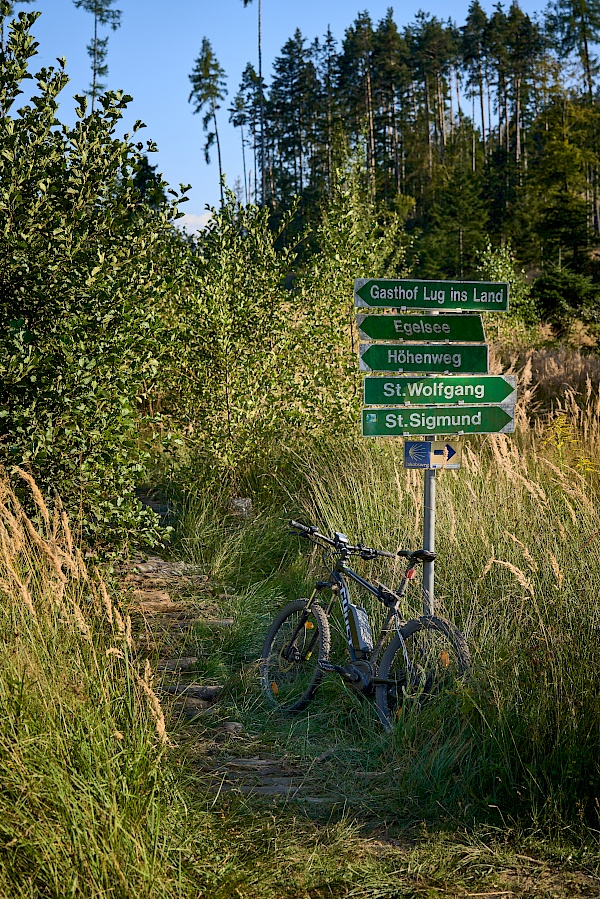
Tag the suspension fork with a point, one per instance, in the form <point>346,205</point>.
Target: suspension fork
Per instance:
<point>320,585</point>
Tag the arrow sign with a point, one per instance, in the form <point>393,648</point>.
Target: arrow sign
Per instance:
<point>421,327</point>
<point>423,358</point>
<point>480,296</point>
<point>432,454</point>
<point>404,421</point>
<point>479,390</point>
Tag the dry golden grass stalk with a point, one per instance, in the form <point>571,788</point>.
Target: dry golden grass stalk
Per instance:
<point>487,568</point>
<point>518,573</point>
<point>526,554</point>
<point>118,619</point>
<point>81,622</point>
<point>82,571</point>
<point>156,709</point>
<point>535,490</point>
<point>472,459</point>
<point>571,511</point>
<point>16,532</point>
<point>35,492</point>
<point>556,569</point>
<point>106,602</point>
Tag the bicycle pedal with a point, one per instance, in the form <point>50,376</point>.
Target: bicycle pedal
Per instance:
<point>326,665</point>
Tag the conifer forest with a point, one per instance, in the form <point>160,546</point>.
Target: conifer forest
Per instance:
<point>482,129</point>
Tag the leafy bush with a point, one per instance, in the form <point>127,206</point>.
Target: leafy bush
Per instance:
<point>81,271</point>
<point>499,264</point>
<point>263,349</point>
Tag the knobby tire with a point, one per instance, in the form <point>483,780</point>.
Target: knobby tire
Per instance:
<point>297,639</point>
<point>438,656</point>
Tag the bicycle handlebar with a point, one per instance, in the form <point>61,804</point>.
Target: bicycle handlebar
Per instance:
<point>365,552</point>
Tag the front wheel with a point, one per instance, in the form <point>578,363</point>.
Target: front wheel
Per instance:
<point>289,670</point>
<point>429,655</point>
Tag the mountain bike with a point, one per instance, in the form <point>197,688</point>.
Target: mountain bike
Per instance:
<point>423,656</point>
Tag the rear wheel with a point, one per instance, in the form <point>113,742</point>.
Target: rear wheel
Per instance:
<point>289,671</point>
<point>431,656</point>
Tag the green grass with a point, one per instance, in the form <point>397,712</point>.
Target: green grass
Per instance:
<point>518,572</point>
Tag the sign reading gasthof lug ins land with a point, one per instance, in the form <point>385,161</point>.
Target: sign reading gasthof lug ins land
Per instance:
<point>471,359</point>
<point>400,422</point>
<point>475,389</point>
<point>421,327</point>
<point>448,295</point>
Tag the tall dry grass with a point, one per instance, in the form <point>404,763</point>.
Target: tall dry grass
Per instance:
<point>82,734</point>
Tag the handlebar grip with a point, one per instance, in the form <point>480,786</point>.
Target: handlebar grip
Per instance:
<point>303,528</point>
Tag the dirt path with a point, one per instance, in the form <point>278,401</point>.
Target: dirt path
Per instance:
<point>170,601</point>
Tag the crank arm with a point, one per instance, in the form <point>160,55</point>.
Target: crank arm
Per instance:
<point>326,665</point>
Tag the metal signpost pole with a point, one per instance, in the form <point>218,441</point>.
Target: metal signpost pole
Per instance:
<point>429,539</point>
<point>429,528</point>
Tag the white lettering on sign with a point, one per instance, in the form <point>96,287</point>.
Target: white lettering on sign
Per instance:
<point>443,388</point>
<point>435,296</point>
<point>439,423</point>
<point>487,296</point>
<point>393,293</point>
<point>405,357</point>
<point>420,327</point>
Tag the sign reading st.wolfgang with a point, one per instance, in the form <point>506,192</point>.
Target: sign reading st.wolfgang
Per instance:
<point>421,327</point>
<point>480,296</point>
<point>474,390</point>
<point>438,420</point>
<point>424,358</point>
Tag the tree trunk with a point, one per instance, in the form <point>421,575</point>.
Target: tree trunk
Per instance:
<point>214,114</point>
<point>482,105</point>
<point>518,121</point>
<point>95,59</point>
<point>262,108</point>
<point>427,120</point>
<point>371,160</point>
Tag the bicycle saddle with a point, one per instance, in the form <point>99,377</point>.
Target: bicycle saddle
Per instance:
<point>420,555</point>
<point>423,555</point>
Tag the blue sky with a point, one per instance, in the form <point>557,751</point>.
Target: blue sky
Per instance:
<point>151,55</point>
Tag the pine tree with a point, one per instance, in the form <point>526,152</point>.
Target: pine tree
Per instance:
<point>472,45</point>
<point>208,88</point>
<point>97,50</point>
<point>575,24</point>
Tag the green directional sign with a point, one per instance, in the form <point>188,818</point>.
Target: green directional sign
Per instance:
<point>421,327</point>
<point>479,296</point>
<point>404,421</point>
<point>437,389</point>
<point>424,358</point>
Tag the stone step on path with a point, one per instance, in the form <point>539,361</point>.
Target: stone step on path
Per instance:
<point>275,779</point>
<point>162,621</point>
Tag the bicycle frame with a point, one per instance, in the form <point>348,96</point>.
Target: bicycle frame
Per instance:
<point>338,585</point>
